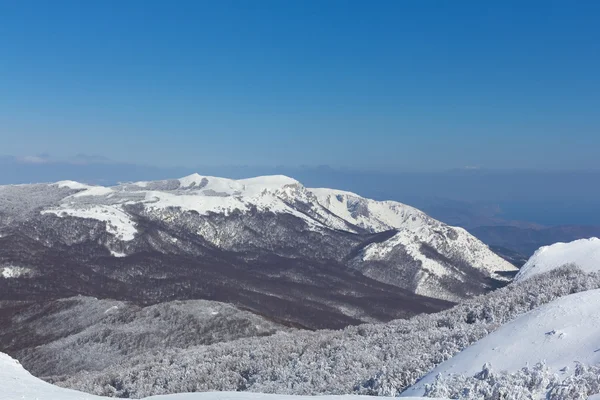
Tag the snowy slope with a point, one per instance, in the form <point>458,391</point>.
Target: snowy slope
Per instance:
<point>439,252</point>
<point>414,227</point>
<point>451,255</point>
<point>118,222</point>
<point>585,253</point>
<point>374,216</point>
<point>18,384</point>
<point>560,333</point>
<point>202,194</point>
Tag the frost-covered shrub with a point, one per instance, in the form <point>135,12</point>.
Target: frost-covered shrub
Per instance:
<point>528,383</point>
<point>536,382</point>
<point>381,359</point>
<point>583,383</point>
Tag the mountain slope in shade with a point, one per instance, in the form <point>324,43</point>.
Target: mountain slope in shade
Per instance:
<point>584,253</point>
<point>81,333</point>
<point>262,243</point>
<point>561,333</point>
<point>18,384</point>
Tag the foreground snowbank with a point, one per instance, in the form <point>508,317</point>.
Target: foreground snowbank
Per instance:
<point>18,384</point>
<point>260,396</point>
<point>585,253</point>
<point>560,333</point>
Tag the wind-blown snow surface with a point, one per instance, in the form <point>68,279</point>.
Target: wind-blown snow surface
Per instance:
<point>560,333</point>
<point>429,249</point>
<point>18,384</point>
<point>585,253</point>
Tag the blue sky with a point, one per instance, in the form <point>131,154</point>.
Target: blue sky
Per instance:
<point>406,85</point>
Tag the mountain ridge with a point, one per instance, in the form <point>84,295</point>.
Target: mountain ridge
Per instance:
<point>249,242</point>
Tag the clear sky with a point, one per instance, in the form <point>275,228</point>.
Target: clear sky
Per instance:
<point>416,85</point>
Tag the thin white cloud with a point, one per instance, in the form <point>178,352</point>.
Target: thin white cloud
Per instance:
<point>34,160</point>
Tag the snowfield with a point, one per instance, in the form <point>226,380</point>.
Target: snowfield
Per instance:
<point>585,253</point>
<point>561,334</point>
<point>18,384</point>
<point>117,221</point>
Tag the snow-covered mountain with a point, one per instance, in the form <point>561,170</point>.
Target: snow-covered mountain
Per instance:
<point>262,243</point>
<point>562,334</point>
<point>584,253</point>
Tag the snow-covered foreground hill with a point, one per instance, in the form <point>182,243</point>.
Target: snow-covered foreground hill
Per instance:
<point>560,334</point>
<point>584,253</point>
<point>18,384</point>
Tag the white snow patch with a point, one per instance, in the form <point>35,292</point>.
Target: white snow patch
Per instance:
<point>117,254</point>
<point>245,187</point>
<point>113,308</point>
<point>85,190</point>
<point>414,227</point>
<point>117,221</point>
<point>94,191</point>
<point>378,251</point>
<point>271,182</point>
<point>11,271</point>
<point>585,253</point>
<point>560,333</point>
<point>72,185</point>
<point>375,216</point>
<point>210,182</point>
